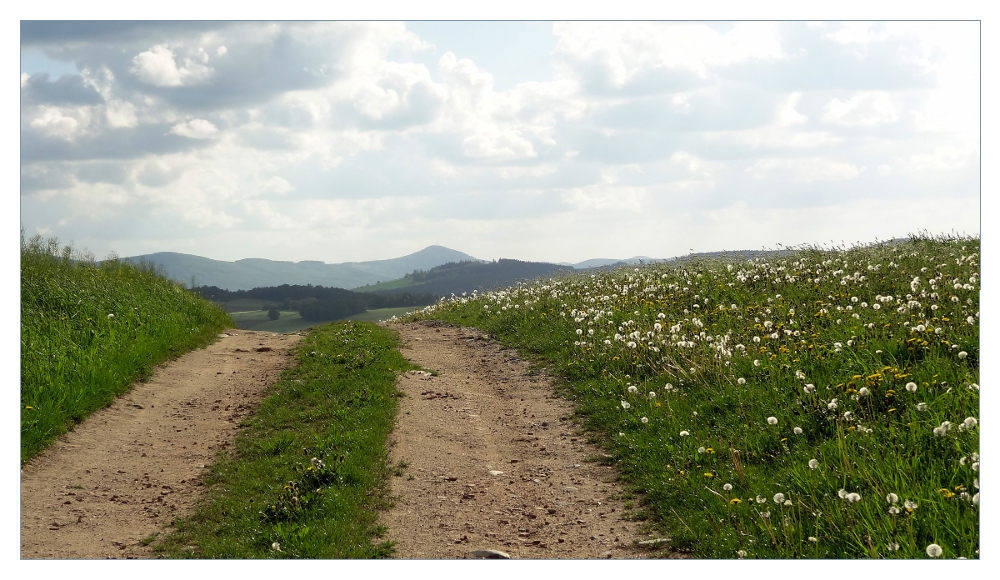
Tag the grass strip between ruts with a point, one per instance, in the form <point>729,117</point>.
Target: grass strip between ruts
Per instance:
<point>308,474</point>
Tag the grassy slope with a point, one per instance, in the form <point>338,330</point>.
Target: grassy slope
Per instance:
<point>338,406</point>
<point>390,285</point>
<point>748,427</point>
<point>88,332</point>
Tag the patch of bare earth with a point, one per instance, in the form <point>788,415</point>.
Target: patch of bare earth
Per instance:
<point>127,471</point>
<point>494,461</point>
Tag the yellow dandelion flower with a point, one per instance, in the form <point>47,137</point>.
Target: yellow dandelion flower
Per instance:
<point>735,501</point>
<point>709,475</point>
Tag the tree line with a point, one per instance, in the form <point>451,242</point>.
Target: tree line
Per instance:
<point>318,303</point>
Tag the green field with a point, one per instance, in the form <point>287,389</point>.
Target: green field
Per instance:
<point>89,331</point>
<point>309,472</point>
<point>823,404</point>
<point>382,314</point>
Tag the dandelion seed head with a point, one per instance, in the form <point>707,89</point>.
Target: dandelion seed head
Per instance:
<point>644,420</point>
<point>772,420</point>
<point>813,464</point>
<point>892,498</point>
<point>684,433</point>
<point>779,498</point>
<point>934,550</point>
<point>912,387</point>
<point>797,430</point>
<point>727,487</point>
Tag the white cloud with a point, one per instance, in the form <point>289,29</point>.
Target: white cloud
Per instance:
<point>942,159</point>
<point>803,170</point>
<point>625,50</point>
<point>121,114</point>
<point>62,122</point>
<point>864,109</point>
<point>221,50</point>
<point>157,67</point>
<point>195,129</point>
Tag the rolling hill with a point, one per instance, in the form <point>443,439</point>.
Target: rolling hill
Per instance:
<point>252,273</point>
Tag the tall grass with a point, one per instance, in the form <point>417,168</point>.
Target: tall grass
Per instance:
<point>88,331</point>
<point>822,404</point>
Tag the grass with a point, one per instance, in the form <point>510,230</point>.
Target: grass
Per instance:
<point>390,285</point>
<point>89,331</point>
<point>310,470</point>
<point>289,321</point>
<point>822,404</point>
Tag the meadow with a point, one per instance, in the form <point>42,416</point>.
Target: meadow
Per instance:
<point>89,330</point>
<point>819,404</point>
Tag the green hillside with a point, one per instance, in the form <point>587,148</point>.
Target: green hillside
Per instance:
<point>459,277</point>
<point>88,331</point>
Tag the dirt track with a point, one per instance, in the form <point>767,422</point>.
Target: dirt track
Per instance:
<point>494,461</point>
<point>128,470</point>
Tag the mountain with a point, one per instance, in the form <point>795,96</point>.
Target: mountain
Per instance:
<point>458,277</point>
<point>252,273</point>
<point>598,262</point>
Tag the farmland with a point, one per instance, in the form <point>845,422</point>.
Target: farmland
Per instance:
<point>823,404</point>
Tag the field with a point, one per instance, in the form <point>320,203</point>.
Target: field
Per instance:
<point>88,332</point>
<point>823,404</point>
<point>382,314</point>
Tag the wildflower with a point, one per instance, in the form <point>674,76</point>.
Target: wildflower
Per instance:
<point>934,550</point>
<point>969,423</point>
<point>893,510</point>
<point>832,405</point>
<point>772,420</point>
<point>921,406</point>
<point>847,415</point>
<point>760,499</point>
<point>741,381</point>
<point>853,497</point>
<point>813,464</point>
<point>809,387</point>
<point>644,420</point>
<point>910,505</point>
<point>813,539</point>
<point>779,498</point>
<point>727,487</point>
<point>797,430</point>
<point>625,405</point>
<point>632,388</point>
<point>961,355</point>
<point>788,503</point>
<point>110,316</point>
<point>276,547</point>
<point>741,553</point>
<point>863,392</point>
<point>737,501</point>
<point>709,475</point>
<point>756,362</point>
<point>912,387</point>
<point>842,494</point>
<point>701,450</point>
<point>765,515</point>
<point>975,498</point>
<point>800,375</point>
<point>942,429</point>
<point>684,433</point>
<point>652,394</point>
<point>892,498</point>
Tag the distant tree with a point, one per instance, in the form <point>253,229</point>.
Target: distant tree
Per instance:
<point>273,314</point>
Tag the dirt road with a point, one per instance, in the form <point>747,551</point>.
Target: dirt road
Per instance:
<point>494,461</point>
<point>128,470</point>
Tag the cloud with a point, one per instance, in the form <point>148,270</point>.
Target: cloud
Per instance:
<point>63,123</point>
<point>66,90</point>
<point>157,67</point>
<point>121,114</point>
<point>865,109</point>
<point>803,170</point>
<point>195,129</point>
<point>657,57</point>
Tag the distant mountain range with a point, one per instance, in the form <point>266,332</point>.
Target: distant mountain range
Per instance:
<point>252,273</point>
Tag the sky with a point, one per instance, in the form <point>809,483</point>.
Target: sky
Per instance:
<point>551,141</point>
